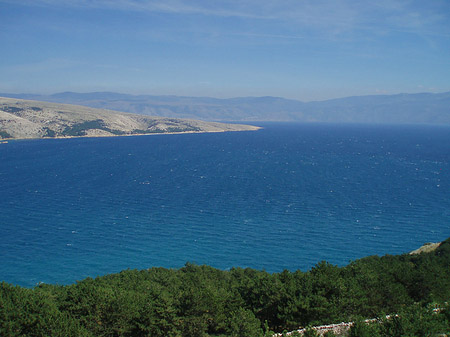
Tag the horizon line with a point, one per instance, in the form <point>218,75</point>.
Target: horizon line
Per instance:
<point>212,97</point>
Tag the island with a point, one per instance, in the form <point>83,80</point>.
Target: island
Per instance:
<point>25,119</point>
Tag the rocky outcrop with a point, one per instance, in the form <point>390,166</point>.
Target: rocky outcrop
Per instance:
<point>426,248</point>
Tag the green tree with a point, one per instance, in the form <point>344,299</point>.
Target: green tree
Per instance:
<point>245,324</point>
<point>362,329</point>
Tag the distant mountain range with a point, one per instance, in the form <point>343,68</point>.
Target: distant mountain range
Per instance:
<point>424,108</point>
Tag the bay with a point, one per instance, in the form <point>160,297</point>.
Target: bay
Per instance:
<point>284,197</point>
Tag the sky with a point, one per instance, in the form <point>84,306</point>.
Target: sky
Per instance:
<point>299,49</point>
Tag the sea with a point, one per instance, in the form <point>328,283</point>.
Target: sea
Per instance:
<point>284,197</point>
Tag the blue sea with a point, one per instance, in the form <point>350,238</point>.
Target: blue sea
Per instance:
<point>284,197</point>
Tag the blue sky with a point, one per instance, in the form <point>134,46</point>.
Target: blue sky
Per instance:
<point>306,50</point>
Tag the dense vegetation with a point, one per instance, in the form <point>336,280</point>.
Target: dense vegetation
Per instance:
<point>201,301</point>
<point>11,109</point>
<point>49,133</point>
<point>79,129</point>
<point>4,134</point>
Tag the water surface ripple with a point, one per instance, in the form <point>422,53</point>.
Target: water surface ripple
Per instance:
<point>285,197</point>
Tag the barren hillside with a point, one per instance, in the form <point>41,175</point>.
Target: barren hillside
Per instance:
<point>34,119</point>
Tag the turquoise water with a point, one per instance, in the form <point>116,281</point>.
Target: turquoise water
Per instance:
<point>285,197</point>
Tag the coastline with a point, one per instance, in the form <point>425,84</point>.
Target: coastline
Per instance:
<point>252,128</point>
<point>25,119</point>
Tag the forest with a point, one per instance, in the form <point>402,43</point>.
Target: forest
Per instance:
<point>198,300</point>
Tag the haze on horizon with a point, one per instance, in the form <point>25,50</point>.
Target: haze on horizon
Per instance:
<point>305,50</point>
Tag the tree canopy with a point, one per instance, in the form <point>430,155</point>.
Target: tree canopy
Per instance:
<point>199,300</point>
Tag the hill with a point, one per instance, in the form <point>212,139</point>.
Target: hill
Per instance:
<point>424,108</point>
<point>203,301</point>
<point>34,119</point>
